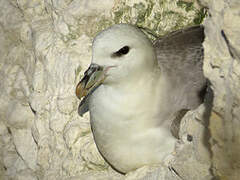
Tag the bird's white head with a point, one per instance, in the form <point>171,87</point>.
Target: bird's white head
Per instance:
<point>125,48</point>
<point>120,53</point>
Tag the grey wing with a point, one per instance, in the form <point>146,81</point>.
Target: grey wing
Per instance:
<point>180,58</point>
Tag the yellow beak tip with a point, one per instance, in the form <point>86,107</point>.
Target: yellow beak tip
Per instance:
<point>80,91</point>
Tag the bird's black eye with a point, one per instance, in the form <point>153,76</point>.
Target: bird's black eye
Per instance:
<point>124,50</point>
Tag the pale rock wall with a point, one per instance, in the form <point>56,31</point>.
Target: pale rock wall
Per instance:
<point>45,46</point>
<point>222,67</point>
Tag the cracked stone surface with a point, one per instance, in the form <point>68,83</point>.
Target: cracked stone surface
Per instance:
<point>222,67</point>
<point>45,46</point>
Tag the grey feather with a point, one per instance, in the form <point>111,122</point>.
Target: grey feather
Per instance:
<point>180,58</point>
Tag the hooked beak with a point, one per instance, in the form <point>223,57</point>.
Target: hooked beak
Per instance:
<point>93,77</point>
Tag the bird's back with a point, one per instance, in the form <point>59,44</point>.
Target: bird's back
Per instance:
<point>180,58</point>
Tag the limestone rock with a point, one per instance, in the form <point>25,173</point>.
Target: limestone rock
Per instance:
<point>25,175</point>
<point>45,48</point>
<point>192,158</point>
<point>25,146</point>
<point>222,67</point>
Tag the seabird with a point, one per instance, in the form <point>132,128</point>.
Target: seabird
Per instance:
<point>134,88</point>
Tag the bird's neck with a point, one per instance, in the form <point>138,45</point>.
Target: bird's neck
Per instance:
<point>139,97</point>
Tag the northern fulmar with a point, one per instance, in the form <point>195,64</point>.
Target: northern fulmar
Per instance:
<point>133,89</point>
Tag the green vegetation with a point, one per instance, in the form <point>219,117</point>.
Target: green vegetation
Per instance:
<point>189,6</point>
<point>201,14</point>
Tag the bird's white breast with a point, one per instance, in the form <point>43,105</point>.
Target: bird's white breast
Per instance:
<point>127,127</point>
